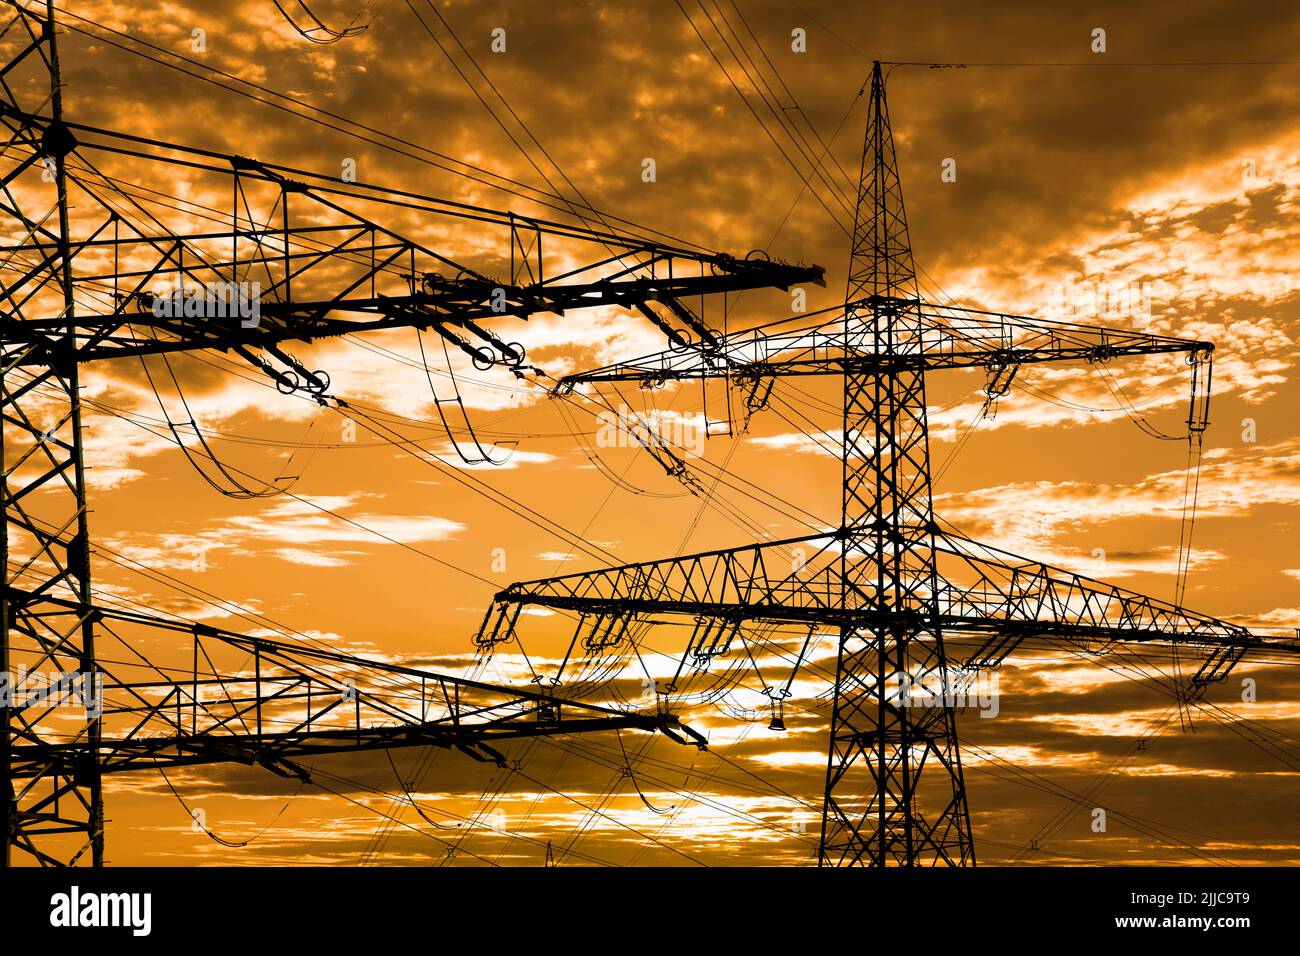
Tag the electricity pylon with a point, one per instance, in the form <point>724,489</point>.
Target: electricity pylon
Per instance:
<point>96,267</point>
<point>891,581</point>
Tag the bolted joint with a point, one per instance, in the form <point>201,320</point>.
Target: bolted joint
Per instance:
<point>57,140</point>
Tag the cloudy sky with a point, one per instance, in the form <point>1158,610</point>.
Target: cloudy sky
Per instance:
<point>1152,184</point>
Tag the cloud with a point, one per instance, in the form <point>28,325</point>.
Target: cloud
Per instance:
<point>297,531</point>
<point>1233,483</point>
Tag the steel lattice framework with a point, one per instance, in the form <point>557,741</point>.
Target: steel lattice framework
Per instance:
<point>891,579</point>
<point>85,258</point>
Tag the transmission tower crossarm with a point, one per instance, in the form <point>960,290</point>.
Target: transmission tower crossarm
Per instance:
<point>134,327</point>
<point>259,701</point>
<point>326,269</point>
<point>103,141</point>
<point>279,750</point>
<point>990,591</point>
<point>981,591</point>
<point>767,580</point>
<point>948,337</point>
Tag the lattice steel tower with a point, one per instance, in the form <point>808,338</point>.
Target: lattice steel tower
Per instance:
<point>887,563</point>
<point>891,580</point>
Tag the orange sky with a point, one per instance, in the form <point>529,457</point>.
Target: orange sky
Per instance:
<point>1179,182</point>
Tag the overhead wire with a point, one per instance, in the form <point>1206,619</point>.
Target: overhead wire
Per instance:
<point>470,172</point>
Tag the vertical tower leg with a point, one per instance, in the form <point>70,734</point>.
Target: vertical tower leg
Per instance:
<point>895,795</point>
<point>55,817</point>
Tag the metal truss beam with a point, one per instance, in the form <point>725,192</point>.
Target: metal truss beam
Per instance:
<point>208,695</point>
<point>947,337</point>
<point>980,590</point>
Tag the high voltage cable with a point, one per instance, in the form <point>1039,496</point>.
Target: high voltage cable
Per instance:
<point>513,114</point>
<point>1100,62</point>
<point>798,140</point>
<point>940,64</point>
<point>762,123</point>
<point>567,208</point>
